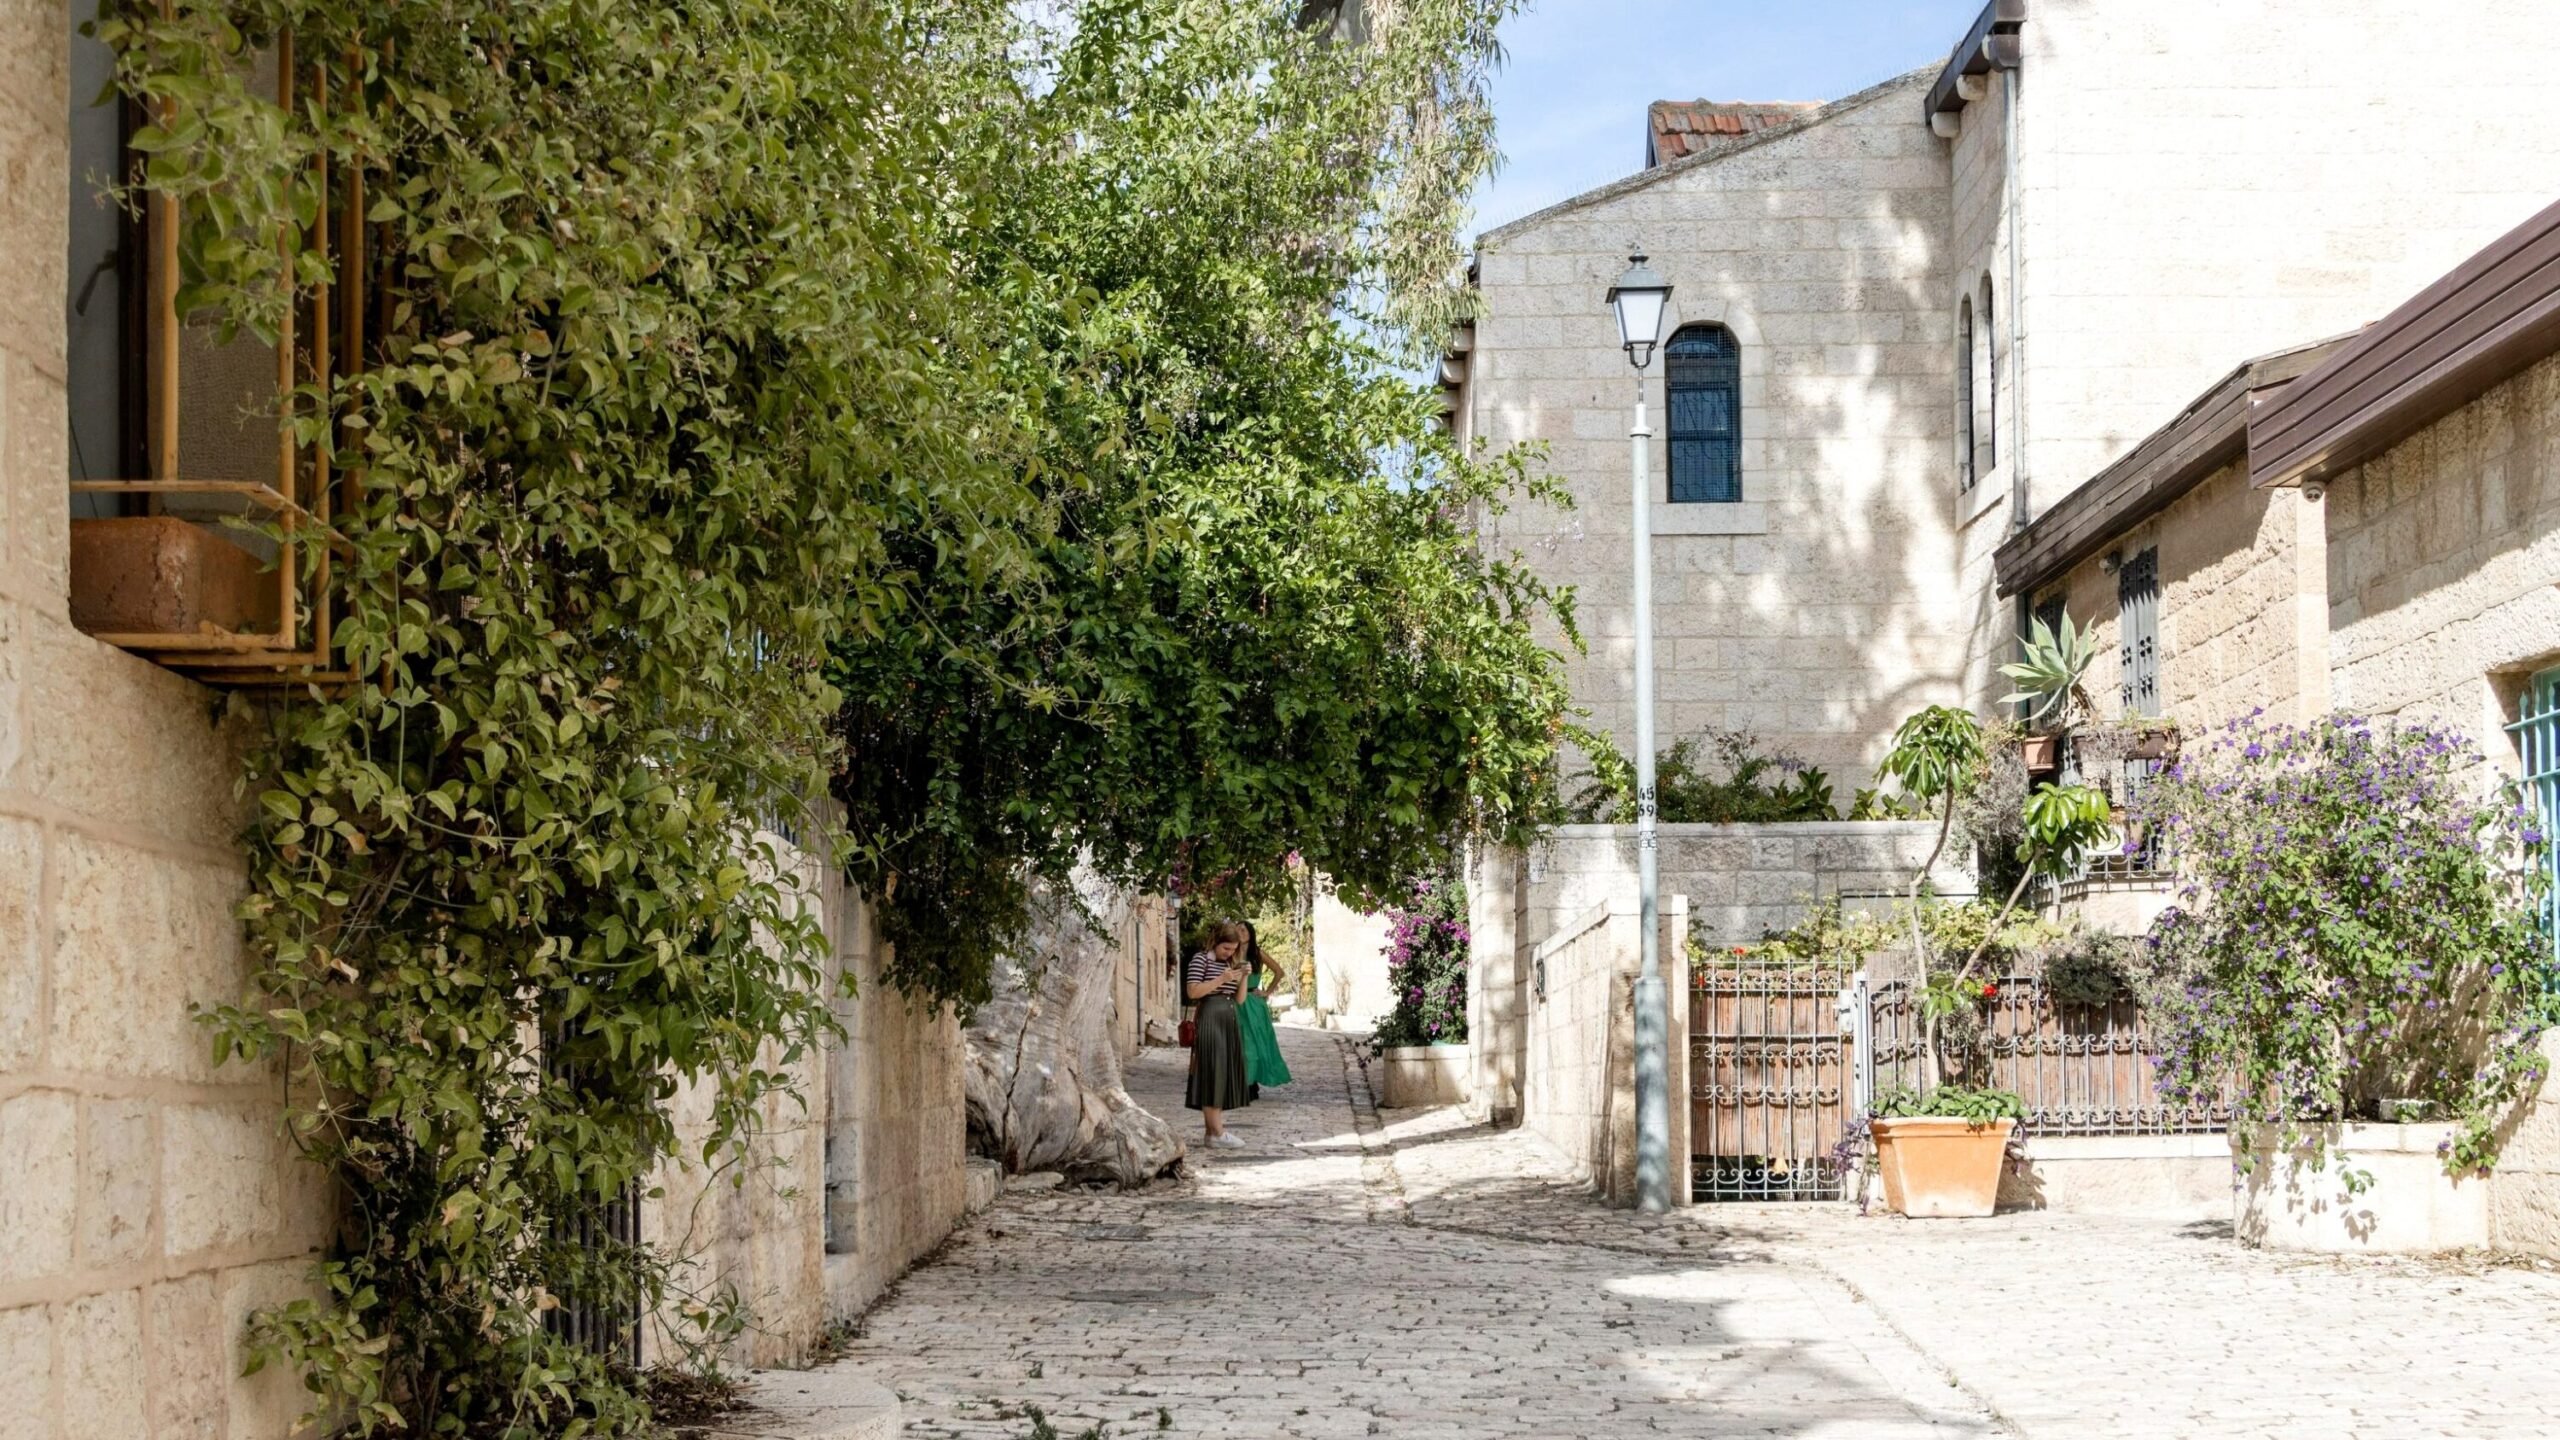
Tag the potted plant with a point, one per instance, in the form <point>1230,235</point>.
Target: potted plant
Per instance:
<point>2047,672</point>
<point>1937,755</point>
<point>1939,1152</point>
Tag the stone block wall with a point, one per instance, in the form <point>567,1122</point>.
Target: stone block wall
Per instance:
<point>895,1122</point>
<point>1351,964</point>
<point>2524,1191</point>
<point>2207,180</point>
<point>2243,623</point>
<point>1741,880</point>
<point>2442,554</point>
<point>1577,1062</point>
<point>1818,611</point>
<point>148,1202</point>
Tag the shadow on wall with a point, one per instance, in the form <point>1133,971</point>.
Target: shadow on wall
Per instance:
<point>1845,611</point>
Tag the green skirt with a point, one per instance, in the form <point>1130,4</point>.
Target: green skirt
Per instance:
<point>1217,1059</point>
<point>1262,1062</point>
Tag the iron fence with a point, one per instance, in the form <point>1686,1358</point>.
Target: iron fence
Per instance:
<point>2081,1069</point>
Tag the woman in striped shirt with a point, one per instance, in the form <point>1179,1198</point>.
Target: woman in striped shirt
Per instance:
<point>1213,981</point>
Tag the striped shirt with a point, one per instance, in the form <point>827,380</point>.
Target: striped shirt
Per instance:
<point>1204,967</point>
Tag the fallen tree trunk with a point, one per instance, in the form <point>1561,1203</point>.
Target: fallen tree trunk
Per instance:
<point>1043,1077</point>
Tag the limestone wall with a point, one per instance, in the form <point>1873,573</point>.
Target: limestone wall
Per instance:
<point>2242,614</point>
<point>1983,515</point>
<point>896,1123</point>
<point>1145,988</point>
<point>2524,1191</point>
<point>1578,1062</point>
<point>2442,557</point>
<point>1351,964</point>
<point>147,1202</point>
<point>2206,180</point>
<point>1741,880</point>
<point>1819,611</point>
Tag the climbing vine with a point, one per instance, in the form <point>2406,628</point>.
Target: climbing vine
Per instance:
<point>666,350</point>
<point>984,412</point>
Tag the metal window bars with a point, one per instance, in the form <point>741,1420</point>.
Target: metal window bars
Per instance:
<point>2537,737</point>
<point>603,1316</point>
<point>324,337</point>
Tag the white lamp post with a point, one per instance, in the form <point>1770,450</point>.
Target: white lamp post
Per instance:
<point>1639,297</point>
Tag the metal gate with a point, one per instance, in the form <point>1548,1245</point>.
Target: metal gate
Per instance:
<point>606,1322</point>
<point>1771,1063</point>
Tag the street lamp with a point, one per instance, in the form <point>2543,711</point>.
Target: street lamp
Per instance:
<point>1640,297</point>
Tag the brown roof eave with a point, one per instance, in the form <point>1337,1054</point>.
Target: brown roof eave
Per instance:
<point>2210,433</point>
<point>1992,43</point>
<point>2487,319</point>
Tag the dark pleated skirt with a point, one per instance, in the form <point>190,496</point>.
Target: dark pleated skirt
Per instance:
<point>1217,1058</point>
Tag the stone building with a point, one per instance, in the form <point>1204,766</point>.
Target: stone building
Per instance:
<point>1975,344</point>
<point>1908,322</point>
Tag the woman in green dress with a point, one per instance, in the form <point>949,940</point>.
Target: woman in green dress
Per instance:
<point>1262,1062</point>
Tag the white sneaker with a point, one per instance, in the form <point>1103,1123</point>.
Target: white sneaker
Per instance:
<point>1226,1142</point>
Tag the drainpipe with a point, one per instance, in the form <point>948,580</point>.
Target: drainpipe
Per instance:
<point>2018,515</point>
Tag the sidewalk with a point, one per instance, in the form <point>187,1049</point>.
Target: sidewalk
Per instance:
<point>1412,1276</point>
<point>1282,1290</point>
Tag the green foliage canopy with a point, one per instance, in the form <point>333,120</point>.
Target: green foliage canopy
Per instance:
<point>1258,620</point>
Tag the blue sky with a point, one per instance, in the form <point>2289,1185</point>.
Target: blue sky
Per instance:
<point>1569,101</point>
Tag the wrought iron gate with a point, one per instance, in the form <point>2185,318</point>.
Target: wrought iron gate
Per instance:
<point>602,1233</point>
<point>1771,1062</point>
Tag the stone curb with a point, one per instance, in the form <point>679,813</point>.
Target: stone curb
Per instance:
<point>811,1405</point>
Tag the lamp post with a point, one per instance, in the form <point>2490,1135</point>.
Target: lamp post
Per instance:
<point>1639,299</point>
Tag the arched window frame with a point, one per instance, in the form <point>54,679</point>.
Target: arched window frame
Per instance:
<point>1702,402</point>
<point>1965,474</point>
<point>1987,439</point>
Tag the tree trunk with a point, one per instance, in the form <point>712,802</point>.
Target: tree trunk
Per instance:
<point>1043,1076</point>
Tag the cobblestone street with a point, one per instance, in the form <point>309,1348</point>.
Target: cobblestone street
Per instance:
<point>1341,1276</point>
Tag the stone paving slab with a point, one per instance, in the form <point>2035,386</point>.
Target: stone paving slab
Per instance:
<point>1404,1273</point>
<point>1284,1290</point>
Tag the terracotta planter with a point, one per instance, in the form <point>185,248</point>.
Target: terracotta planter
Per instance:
<point>2041,752</point>
<point>2155,745</point>
<point>1937,1168</point>
<point>159,575</point>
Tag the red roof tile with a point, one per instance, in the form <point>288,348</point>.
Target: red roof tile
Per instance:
<point>1679,128</point>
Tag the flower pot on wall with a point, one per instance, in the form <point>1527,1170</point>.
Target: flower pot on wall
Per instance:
<point>2041,752</point>
<point>1940,1168</point>
<point>2154,745</point>
<point>159,575</point>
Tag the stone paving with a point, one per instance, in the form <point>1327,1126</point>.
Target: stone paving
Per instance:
<point>1350,1274</point>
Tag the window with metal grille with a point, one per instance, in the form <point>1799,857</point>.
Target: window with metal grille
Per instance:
<point>2049,612</point>
<point>2537,732</point>
<point>1702,371</point>
<point>2138,633</point>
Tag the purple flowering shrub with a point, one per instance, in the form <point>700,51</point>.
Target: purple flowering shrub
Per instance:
<point>1427,967</point>
<point>2354,923</point>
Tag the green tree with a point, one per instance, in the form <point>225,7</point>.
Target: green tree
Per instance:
<point>1259,620</point>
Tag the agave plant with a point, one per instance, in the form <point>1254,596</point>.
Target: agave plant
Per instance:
<point>2049,668</point>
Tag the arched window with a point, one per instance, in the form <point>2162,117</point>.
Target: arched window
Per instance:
<point>1702,371</point>
<point>1964,394</point>
<point>1987,385</point>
